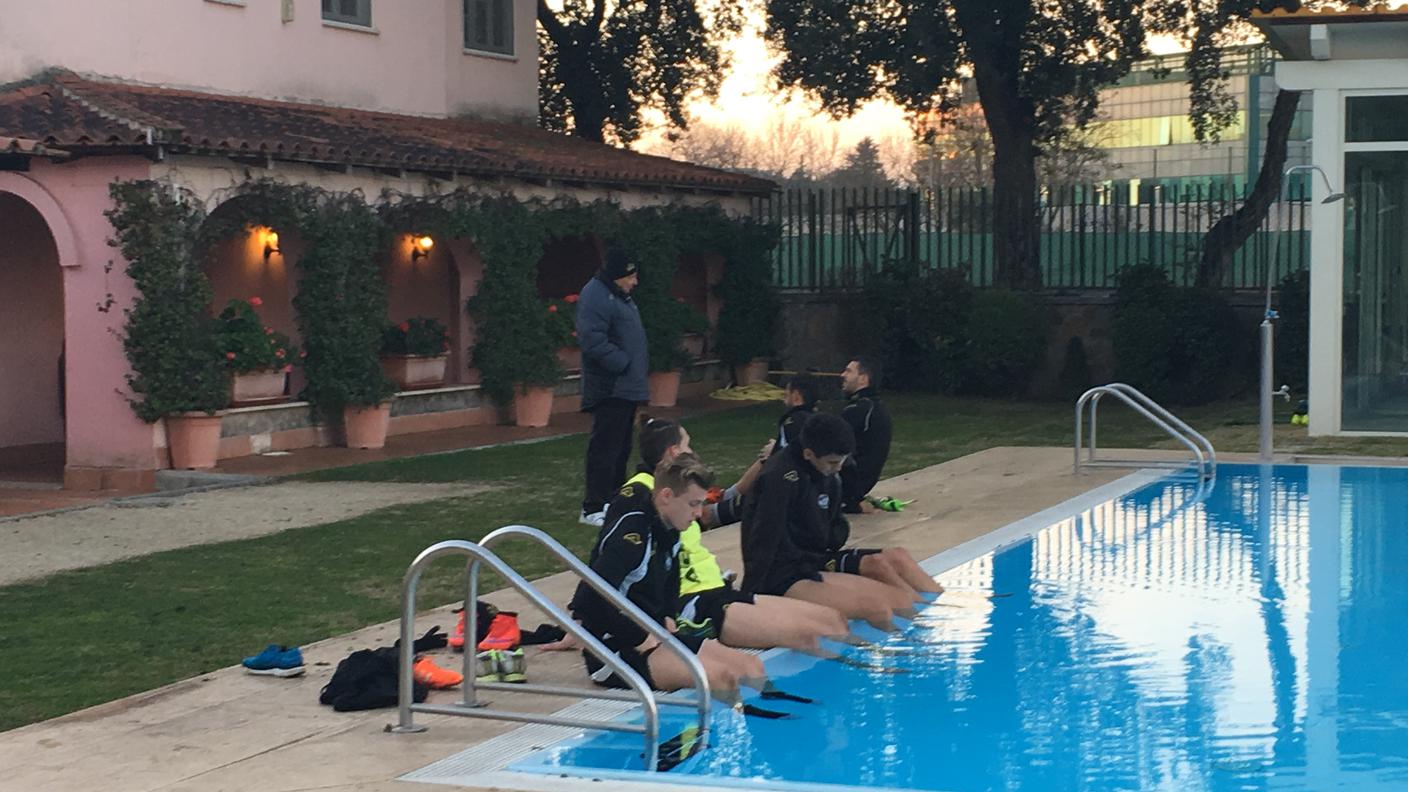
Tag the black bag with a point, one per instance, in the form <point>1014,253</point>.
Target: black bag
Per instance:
<point>366,679</point>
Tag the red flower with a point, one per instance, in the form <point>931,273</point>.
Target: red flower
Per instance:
<point>229,355</point>
<point>552,309</point>
<point>288,368</point>
<point>404,327</point>
<point>268,331</point>
<point>571,299</point>
<point>445,346</point>
<point>255,301</point>
<point>303,353</point>
<point>280,354</point>
<point>574,333</point>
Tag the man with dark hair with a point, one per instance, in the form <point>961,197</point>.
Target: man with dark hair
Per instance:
<point>801,394</point>
<point>870,422</point>
<point>637,555</point>
<point>794,535</point>
<point>614,367</point>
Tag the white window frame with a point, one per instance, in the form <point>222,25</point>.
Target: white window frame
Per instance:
<point>472,47</point>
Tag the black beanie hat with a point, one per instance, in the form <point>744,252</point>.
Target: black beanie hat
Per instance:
<point>617,264</point>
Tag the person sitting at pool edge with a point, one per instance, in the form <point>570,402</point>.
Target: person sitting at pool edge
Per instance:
<point>794,536</point>
<point>637,555</point>
<point>801,394</point>
<point>870,422</point>
<point>709,604</point>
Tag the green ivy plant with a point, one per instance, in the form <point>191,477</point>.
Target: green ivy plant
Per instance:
<point>341,304</point>
<point>169,336</point>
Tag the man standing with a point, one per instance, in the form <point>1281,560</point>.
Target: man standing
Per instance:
<point>614,367</point>
<point>870,422</point>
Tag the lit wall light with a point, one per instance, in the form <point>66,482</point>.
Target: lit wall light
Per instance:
<point>271,244</point>
<point>420,247</point>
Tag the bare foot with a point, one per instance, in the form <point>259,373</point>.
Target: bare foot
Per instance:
<point>569,643</point>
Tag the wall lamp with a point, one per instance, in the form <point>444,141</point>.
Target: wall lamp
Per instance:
<point>271,244</point>
<point>420,247</point>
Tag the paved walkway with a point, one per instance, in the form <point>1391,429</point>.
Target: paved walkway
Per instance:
<point>20,495</point>
<point>230,731</point>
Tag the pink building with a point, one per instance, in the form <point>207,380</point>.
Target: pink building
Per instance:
<point>412,96</point>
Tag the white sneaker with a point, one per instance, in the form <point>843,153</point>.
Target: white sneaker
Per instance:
<point>595,519</point>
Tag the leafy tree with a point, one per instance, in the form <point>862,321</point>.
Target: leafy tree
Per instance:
<point>1037,68</point>
<point>862,169</point>
<point>601,62</point>
<point>1212,108</point>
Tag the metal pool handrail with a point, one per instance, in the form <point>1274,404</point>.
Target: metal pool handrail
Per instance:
<point>1204,455</point>
<point>470,706</point>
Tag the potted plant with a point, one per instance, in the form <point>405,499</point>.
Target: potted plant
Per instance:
<point>169,336</point>
<point>748,320</point>
<point>562,326</point>
<point>513,347</point>
<point>258,357</point>
<point>341,306</point>
<point>664,335</point>
<point>414,352</point>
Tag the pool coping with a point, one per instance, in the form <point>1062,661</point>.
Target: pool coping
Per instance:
<point>508,749</point>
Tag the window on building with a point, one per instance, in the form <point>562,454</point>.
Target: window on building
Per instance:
<point>488,26</point>
<point>1376,119</point>
<point>351,12</point>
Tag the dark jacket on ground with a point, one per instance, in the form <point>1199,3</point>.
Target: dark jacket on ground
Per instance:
<point>635,554</point>
<point>609,330</point>
<point>789,426</point>
<point>871,422</point>
<point>792,521</point>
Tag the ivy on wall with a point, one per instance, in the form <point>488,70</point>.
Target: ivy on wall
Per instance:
<point>169,335</point>
<point>341,304</point>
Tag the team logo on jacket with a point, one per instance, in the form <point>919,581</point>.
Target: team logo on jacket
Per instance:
<point>824,501</point>
<point>633,538</point>
<point>790,475</point>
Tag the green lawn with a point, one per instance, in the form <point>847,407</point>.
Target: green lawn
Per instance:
<point>84,637</point>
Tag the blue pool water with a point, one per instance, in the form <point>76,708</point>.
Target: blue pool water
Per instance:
<point>1247,637</point>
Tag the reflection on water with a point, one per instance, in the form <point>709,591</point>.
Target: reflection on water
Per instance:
<point>1245,638</point>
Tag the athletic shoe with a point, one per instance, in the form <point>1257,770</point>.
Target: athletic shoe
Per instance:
<point>512,664</point>
<point>595,519</point>
<point>457,637</point>
<point>427,673</point>
<point>275,660</point>
<point>486,667</point>
<point>503,632</point>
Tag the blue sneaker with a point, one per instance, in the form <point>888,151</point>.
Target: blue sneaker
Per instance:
<point>275,660</point>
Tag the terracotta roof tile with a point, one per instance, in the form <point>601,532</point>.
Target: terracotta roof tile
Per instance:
<point>64,111</point>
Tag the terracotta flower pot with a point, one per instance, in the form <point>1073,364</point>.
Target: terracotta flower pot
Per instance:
<point>532,405</point>
<point>755,371</point>
<point>570,358</point>
<point>365,427</point>
<point>412,372</point>
<point>664,388</point>
<point>262,386</point>
<point>193,439</point>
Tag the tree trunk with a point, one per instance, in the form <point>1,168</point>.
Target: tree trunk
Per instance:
<point>580,86</point>
<point>1229,233</point>
<point>1015,243</point>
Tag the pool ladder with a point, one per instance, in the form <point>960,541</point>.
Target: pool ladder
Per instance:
<point>1204,456</point>
<point>470,706</point>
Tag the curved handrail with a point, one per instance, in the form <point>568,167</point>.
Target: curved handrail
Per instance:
<point>1136,401</point>
<point>481,555</point>
<point>588,575</point>
<point>1163,412</point>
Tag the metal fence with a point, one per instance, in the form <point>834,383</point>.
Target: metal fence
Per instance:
<point>835,239</point>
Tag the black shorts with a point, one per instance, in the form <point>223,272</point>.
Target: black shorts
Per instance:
<point>638,662</point>
<point>702,613</point>
<point>847,561</point>
<point>782,579</point>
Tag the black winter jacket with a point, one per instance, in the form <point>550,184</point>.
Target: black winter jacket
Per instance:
<point>792,520</point>
<point>871,422</point>
<point>635,554</point>
<point>609,330</point>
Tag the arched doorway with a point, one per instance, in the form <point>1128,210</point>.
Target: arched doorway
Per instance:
<point>32,357</point>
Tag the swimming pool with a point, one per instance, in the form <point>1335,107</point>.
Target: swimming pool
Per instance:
<point>1243,636</point>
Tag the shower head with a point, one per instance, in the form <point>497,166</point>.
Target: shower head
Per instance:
<point>1333,197</point>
